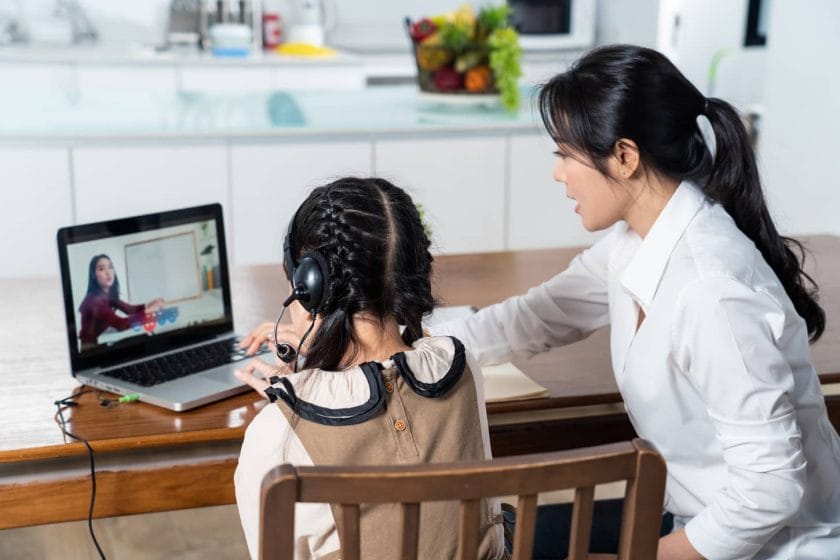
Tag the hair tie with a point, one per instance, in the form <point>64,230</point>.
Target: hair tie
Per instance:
<point>707,133</point>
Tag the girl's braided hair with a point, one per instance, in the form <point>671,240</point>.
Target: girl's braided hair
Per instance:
<point>372,237</point>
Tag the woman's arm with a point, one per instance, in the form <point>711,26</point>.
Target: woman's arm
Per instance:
<point>565,309</point>
<point>726,342</point>
<point>129,309</point>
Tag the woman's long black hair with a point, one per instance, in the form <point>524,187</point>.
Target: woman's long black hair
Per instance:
<point>371,235</point>
<point>625,91</point>
<point>93,286</point>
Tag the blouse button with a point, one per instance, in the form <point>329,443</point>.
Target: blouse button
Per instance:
<point>399,425</point>
<point>389,386</point>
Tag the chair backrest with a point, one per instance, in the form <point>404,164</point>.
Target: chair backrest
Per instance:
<point>525,476</point>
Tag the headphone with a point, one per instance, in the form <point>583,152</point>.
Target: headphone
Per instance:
<point>309,279</point>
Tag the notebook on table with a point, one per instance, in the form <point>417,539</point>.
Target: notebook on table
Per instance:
<point>148,307</point>
<point>502,382</point>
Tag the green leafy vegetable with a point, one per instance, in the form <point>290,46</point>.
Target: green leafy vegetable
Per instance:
<point>491,18</point>
<point>456,36</point>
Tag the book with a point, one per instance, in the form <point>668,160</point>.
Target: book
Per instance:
<point>506,382</point>
<point>502,382</point>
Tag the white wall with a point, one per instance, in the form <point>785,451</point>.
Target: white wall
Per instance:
<point>802,116</point>
<point>623,21</point>
<point>692,31</point>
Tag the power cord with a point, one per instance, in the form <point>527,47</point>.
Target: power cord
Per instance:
<point>68,402</point>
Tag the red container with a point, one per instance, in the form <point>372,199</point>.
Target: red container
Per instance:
<point>271,30</point>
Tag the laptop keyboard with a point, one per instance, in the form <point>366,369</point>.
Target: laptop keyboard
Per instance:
<point>178,364</point>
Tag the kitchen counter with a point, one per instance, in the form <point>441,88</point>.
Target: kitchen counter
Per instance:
<point>148,56</point>
<point>104,115</point>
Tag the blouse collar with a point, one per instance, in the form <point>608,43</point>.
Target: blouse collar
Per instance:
<point>641,277</point>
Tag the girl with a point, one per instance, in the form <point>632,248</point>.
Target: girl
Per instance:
<point>709,309</point>
<point>359,264</point>
<point>103,298</point>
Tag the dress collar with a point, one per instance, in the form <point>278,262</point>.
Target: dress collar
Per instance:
<point>354,395</point>
<point>641,277</point>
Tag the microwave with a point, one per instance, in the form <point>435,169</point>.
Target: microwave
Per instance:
<point>553,24</point>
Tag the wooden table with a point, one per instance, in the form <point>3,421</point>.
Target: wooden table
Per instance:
<point>151,459</point>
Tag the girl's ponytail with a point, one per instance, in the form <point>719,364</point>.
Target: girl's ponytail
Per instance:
<point>734,183</point>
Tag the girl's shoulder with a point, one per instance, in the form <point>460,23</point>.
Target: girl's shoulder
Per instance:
<point>432,362</point>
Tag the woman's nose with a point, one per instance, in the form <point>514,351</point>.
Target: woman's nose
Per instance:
<point>559,171</point>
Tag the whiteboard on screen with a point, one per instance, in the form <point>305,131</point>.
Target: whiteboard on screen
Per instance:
<point>166,267</point>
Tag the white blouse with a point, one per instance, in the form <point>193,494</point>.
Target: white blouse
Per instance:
<point>718,376</point>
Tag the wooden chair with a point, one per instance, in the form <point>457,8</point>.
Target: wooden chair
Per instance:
<point>524,475</point>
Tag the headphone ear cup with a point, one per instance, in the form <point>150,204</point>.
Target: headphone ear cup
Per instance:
<point>311,274</point>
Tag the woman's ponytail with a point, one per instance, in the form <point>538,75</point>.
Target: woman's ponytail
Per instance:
<point>734,183</point>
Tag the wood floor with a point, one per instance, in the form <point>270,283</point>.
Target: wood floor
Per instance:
<point>198,534</point>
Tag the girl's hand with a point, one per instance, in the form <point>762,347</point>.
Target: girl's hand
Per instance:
<point>257,372</point>
<point>264,334</point>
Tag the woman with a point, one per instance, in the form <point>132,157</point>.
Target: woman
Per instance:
<point>367,273</point>
<point>99,307</point>
<point>709,308</point>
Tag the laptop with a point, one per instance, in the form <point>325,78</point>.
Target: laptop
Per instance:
<point>148,307</point>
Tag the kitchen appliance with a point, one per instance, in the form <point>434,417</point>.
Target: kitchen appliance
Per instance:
<point>553,24</point>
<point>311,22</point>
<point>191,24</point>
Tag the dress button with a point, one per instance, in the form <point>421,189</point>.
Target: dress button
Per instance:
<point>389,386</point>
<point>399,425</point>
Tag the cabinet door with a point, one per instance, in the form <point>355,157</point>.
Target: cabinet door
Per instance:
<point>301,78</point>
<point>226,79</point>
<point>460,182</point>
<point>540,213</point>
<point>271,180</point>
<point>135,78</point>
<point>131,180</point>
<point>36,202</point>
<point>25,76</point>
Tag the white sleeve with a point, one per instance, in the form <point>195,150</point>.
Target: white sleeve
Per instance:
<point>564,309</point>
<point>269,442</point>
<point>725,336</point>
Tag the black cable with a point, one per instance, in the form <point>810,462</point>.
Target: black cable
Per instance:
<point>285,352</point>
<point>309,330</point>
<point>62,405</point>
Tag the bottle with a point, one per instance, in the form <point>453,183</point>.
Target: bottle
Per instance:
<point>271,30</point>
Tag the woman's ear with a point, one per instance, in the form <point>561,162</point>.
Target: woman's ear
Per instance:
<point>626,154</point>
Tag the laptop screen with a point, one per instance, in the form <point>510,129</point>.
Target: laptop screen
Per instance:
<point>143,285</point>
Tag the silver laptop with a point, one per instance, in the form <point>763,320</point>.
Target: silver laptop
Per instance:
<point>148,307</point>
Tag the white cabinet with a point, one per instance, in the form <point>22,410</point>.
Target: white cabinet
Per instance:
<point>34,77</point>
<point>301,78</point>
<point>269,182</point>
<point>95,78</point>
<point>226,79</point>
<point>36,201</point>
<point>460,182</point>
<point>112,182</point>
<point>540,214</point>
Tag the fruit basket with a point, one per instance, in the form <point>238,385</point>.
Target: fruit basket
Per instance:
<point>464,56</point>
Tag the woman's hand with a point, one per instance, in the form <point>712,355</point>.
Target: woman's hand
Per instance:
<point>155,305</point>
<point>257,373</point>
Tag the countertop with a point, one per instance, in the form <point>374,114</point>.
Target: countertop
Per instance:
<point>72,116</point>
<point>148,56</point>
